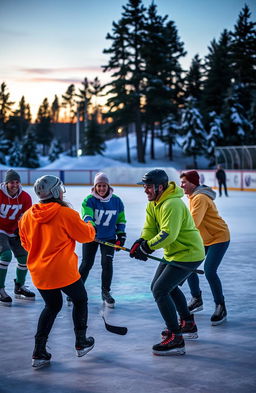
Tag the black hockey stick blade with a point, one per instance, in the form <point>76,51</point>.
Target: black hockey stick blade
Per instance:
<point>115,329</point>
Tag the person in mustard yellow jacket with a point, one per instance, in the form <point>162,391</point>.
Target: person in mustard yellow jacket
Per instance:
<point>216,238</point>
<point>49,231</point>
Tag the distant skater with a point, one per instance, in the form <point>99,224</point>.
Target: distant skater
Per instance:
<point>13,203</point>
<point>105,210</point>
<point>169,225</point>
<point>49,231</point>
<point>216,237</point>
<point>221,177</point>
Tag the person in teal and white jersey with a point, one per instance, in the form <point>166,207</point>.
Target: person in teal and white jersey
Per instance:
<point>105,211</point>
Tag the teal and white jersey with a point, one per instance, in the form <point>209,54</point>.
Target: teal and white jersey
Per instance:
<point>107,214</point>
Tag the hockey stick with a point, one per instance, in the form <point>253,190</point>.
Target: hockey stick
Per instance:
<point>199,271</point>
<point>121,330</point>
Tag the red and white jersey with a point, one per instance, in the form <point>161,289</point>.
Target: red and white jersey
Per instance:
<point>12,208</point>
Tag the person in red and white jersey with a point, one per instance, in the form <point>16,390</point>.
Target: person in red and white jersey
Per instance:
<point>13,203</point>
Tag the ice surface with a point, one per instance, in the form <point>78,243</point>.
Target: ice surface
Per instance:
<point>221,360</point>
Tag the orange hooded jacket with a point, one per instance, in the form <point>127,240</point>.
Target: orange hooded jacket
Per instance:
<point>49,232</point>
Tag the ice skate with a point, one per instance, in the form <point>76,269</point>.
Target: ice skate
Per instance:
<point>22,292</point>
<point>173,344</point>
<point>220,315</point>
<point>40,356</point>
<point>108,300</point>
<point>195,304</point>
<point>5,299</point>
<point>83,345</point>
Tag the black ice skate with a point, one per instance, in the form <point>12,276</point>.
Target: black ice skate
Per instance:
<point>83,345</point>
<point>5,299</point>
<point>195,304</point>
<point>172,344</point>
<point>188,329</point>
<point>219,315</point>
<point>107,298</point>
<point>40,356</point>
<point>22,292</point>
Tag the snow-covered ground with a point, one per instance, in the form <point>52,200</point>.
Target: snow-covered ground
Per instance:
<point>221,360</point>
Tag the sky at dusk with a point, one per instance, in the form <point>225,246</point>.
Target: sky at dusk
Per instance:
<point>47,45</point>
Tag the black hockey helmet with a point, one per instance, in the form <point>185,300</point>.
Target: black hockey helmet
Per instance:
<point>156,177</point>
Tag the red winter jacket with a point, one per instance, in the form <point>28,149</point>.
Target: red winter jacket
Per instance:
<point>11,209</point>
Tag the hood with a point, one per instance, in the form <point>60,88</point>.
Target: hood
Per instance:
<point>104,199</point>
<point>203,189</point>
<point>3,188</point>
<point>172,191</point>
<point>44,212</point>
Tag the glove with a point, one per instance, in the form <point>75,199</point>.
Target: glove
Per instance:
<point>140,249</point>
<point>121,237</point>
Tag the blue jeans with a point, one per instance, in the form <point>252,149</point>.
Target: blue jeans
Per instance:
<point>214,255</point>
<point>168,296</point>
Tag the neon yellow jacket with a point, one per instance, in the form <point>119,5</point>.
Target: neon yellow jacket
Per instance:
<point>169,225</point>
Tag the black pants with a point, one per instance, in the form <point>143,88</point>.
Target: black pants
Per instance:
<point>88,257</point>
<point>222,183</point>
<point>53,304</point>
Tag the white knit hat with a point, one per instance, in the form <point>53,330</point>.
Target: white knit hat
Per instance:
<point>100,177</point>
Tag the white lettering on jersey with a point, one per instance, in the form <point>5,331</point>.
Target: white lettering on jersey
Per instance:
<point>4,210</point>
<point>99,215</point>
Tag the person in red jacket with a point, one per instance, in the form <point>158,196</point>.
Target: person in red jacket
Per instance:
<point>13,203</point>
<point>49,231</point>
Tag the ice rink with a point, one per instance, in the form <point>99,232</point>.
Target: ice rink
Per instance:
<point>221,360</point>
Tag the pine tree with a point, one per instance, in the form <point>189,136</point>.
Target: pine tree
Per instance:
<point>5,104</point>
<point>239,130</point>
<point>127,64</point>
<point>215,135</point>
<point>193,80</point>
<point>217,75</point>
<point>161,52</point>
<point>243,55</point>
<point>243,48</point>
<point>193,130</point>
<point>69,103</point>
<point>55,110</point>
<point>29,157</point>
<point>5,144</point>
<point>55,150</point>
<point>43,130</point>
<point>15,154</point>
<point>94,140</point>
<point>4,147</point>
<point>20,121</point>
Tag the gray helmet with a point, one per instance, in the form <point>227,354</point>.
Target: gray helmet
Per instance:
<point>48,186</point>
<point>156,177</point>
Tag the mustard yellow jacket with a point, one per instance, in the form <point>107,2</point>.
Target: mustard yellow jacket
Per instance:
<point>212,227</point>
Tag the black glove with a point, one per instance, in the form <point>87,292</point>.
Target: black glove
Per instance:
<point>121,237</point>
<point>140,249</point>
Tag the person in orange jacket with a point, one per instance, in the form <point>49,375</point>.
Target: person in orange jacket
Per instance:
<point>49,231</point>
<point>216,237</point>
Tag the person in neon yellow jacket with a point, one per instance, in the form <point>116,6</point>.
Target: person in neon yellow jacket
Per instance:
<point>169,225</point>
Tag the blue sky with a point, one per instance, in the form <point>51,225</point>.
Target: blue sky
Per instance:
<point>47,45</point>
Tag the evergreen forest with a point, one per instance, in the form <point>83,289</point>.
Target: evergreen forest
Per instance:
<point>213,103</point>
